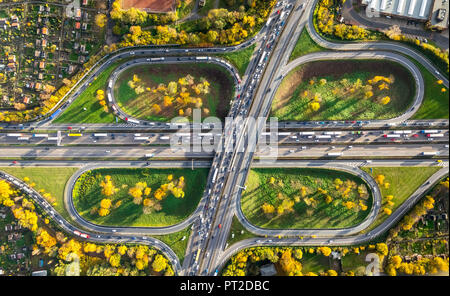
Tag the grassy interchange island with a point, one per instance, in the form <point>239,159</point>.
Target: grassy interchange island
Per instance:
<point>131,203</point>
<point>161,92</point>
<point>294,198</point>
<point>344,90</point>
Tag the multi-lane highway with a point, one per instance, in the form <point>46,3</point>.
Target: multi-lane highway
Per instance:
<point>165,138</point>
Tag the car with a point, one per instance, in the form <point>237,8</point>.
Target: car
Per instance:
<point>69,127</point>
<point>14,161</point>
<point>220,225</point>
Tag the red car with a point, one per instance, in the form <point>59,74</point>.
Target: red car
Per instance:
<point>220,225</point>
<point>415,135</point>
<point>69,127</point>
<point>14,162</point>
<point>238,96</point>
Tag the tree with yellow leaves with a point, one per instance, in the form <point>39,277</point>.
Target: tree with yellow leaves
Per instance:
<point>326,251</point>
<point>314,106</point>
<point>385,100</point>
<point>267,208</point>
<point>114,260</point>
<point>159,264</point>
<point>44,239</point>
<point>108,188</point>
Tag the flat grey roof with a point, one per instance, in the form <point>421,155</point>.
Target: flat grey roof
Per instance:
<point>415,9</point>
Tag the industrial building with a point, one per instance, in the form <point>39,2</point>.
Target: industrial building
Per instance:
<point>434,11</point>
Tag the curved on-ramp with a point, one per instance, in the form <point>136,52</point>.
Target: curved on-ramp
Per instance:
<point>129,230</point>
<point>153,61</point>
<point>371,55</point>
<point>338,241</point>
<point>334,232</point>
<point>94,236</point>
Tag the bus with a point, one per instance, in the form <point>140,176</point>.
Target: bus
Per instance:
<point>435,135</point>
<point>55,114</point>
<point>131,120</point>
<point>157,59</point>
<point>101,135</point>
<point>14,135</point>
<point>109,98</point>
<point>198,255</point>
<point>429,153</point>
<point>140,138</point>
<point>75,135</point>
<point>334,153</point>
<point>201,58</point>
<point>429,131</point>
<point>261,60</point>
<point>323,137</point>
<point>40,135</point>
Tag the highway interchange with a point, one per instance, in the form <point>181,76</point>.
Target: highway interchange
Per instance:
<point>357,142</point>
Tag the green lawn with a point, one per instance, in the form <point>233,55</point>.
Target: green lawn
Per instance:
<point>355,262</point>
<point>403,182</point>
<point>314,263</point>
<point>175,242</point>
<point>240,59</point>
<point>87,195</point>
<point>209,4</point>
<point>88,100</point>
<point>305,213</point>
<point>304,45</point>
<point>141,106</point>
<point>52,179</point>
<point>240,233</point>
<point>436,103</point>
<point>342,95</point>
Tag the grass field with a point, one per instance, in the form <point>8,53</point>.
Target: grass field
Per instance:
<point>87,99</point>
<point>87,195</point>
<point>175,242</point>
<point>52,179</point>
<point>436,103</point>
<point>403,182</point>
<point>340,98</point>
<point>240,59</point>
<point>304,213</point>
<point>355,262</point>
<point>141,106</point>
<point>314,263</point>
<point>209,4</point>
<point>304,45</point>
<point>240,233</point>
